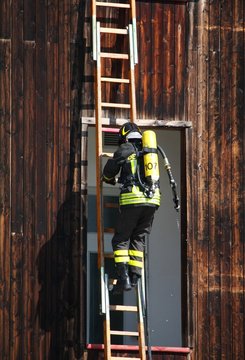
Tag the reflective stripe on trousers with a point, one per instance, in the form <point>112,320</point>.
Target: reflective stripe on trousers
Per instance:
<point>132,231</point>
<point>131,257</point>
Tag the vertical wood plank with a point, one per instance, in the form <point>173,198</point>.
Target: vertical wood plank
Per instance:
<point>5,206</point>
<point>50,252</point>
<point>41,116</point>
<point>225,184</point>
<point>29,20</point>
<point>191,205</point>
<point>180,60</point>
<point>237,161</point>
<point>29,283</point>
<point>157,70</point>
<point>78,250</point>
<point>200,159</point>
<point>64,96</point>
<point>52,21</point>
<point>145,52</point>
<point>41,342</point>
<point>168,59</point>
<point>214,156</point>
<point>17,208</point>
<point>5,19</point>
<point>87,65</point>
<point>64,229</point>
<point>52,137</point>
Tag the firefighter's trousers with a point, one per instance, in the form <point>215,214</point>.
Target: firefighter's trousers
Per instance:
<point>132,231</point>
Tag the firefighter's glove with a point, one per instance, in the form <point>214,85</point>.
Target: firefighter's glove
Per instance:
<point>124,151</point>
<point>110,181</point>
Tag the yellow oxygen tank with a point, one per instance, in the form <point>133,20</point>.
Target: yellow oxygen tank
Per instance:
<point>151,165</point>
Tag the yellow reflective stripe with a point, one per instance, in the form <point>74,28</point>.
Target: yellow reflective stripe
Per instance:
<point>133,166</point>
<point>107,178</point>
<point>136,196</point>
<point>136,253</point>
<point>136,263</point>
<point>139,201</point>
<point>120,252</point>
<point>123,259</point>
<point>139,195</point>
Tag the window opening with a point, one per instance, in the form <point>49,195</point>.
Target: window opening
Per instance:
<point>164,251</point>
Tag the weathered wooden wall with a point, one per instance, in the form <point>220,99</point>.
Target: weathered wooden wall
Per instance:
<point>191,68</point>
<point>39,178</point>
<point>216,234</point>
<point>160,86</point>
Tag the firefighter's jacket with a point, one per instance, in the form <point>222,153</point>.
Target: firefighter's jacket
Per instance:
<point>126,160</point>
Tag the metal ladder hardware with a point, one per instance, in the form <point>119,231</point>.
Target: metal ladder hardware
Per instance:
<point>128,58</point>
<point>100,79</point>
<point>128,6</point>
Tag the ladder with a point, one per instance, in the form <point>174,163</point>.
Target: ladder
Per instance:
<point>131,58</point>
<point>140,333</point>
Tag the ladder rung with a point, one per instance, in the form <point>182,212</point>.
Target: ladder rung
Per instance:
<point>109,256</point>
<point>114,56</point>
<point>111,205</point>
<point>109,230</point>
<point>124,333</point>
<point>109,30</point>
<point>115,105</point>
<point>115,80</point>
<point>123,308</point>
<point>111,4</point>
<point>107,154</point>
<point>124,358</point>
<point>110,130</point>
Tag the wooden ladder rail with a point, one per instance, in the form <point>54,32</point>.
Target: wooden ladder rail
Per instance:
<point>132,58</point>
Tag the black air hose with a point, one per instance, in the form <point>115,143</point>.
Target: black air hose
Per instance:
<point>171,178</point>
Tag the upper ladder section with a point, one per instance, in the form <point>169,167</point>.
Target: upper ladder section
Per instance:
<point>130,5</point>
<point>127,60</point>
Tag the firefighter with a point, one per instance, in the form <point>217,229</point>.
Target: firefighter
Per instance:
<point>139,198</point>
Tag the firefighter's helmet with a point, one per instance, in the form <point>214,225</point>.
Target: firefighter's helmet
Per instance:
<point>129,131</point>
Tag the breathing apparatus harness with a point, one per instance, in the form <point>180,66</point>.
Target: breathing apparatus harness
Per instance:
<point>146,148</point>
<point>150,181</point>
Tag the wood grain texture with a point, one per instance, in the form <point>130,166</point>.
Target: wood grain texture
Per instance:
<point>17,182</point>
<point>5,19</point>
<point>160,77</point>
<point>5,196</point>
<point>226,185</point>
<point>216,242</point>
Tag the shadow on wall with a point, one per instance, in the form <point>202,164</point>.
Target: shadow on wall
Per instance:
<point>58,275</point>
<point>56,295</point>
<point>59,262</point>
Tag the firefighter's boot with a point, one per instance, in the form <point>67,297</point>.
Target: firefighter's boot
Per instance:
<point>134,278</point>
<point>123,282</point>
